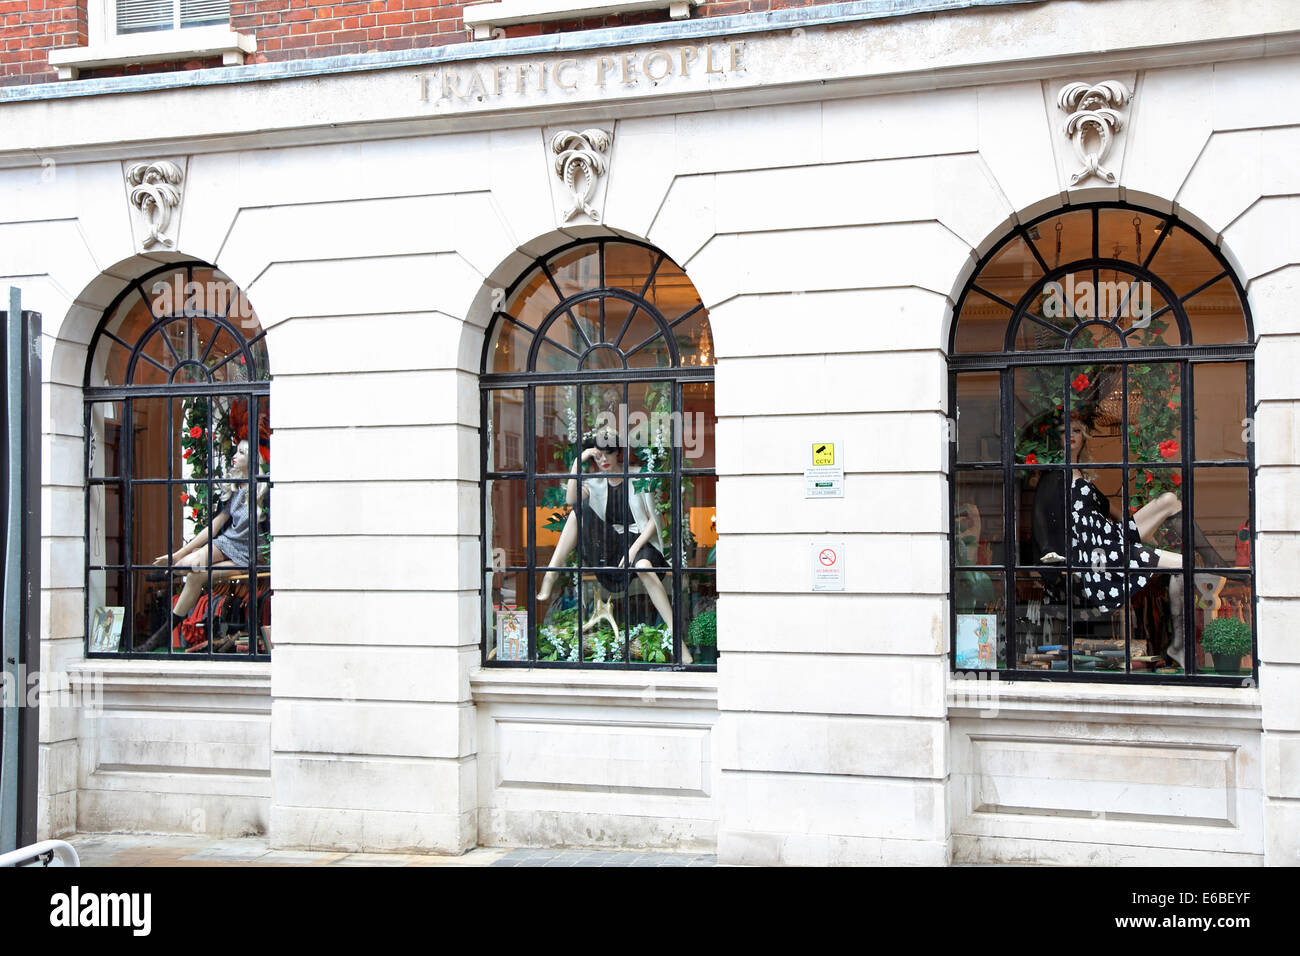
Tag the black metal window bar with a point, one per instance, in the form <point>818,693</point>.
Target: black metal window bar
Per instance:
<point>1003,364</point>
<point>609,339</point>
<point>196,347</point>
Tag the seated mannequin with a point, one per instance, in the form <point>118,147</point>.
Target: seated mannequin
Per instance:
<point>619,529</point>
<point>228,552</point>
<point>1103,546</point>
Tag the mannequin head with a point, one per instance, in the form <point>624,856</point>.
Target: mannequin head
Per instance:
<point>1081,429</point>
<point>239,463</point>
<point>609,452</point>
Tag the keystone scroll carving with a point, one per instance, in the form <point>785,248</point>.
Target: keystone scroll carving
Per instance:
<point>580,162</point>
<point>155,191</point>
<point>1095,110</point>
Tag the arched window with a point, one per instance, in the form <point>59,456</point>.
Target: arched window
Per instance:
<point>177,456</point>
<point>599,537</point>
<point>1102,492</point>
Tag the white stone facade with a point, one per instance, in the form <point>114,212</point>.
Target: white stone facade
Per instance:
<point>847,194</point>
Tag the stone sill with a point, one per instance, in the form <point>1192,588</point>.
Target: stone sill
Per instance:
<point>190,677</point>
<point>1097,703</point>
<point>481,18</point>
<point>603,688</point>
<point>155,47</point>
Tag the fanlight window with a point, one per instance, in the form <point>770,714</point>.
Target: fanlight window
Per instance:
<point>600,536</point>
<point>1102,488</point>
<point>178,471</point>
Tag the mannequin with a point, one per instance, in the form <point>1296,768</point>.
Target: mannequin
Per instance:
<point>228,532</point>
<point>611,514</point>
<point>1103,546</point>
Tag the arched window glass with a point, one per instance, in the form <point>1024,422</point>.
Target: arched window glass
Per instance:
<point>1102,493</point>
<point>599,491</point>
<point>178,471</point>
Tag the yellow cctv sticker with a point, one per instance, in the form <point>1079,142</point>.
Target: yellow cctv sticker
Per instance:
<point>823,454</point>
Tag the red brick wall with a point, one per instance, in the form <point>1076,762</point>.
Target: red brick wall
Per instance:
<point>298,29</point>
<point>29,28</point>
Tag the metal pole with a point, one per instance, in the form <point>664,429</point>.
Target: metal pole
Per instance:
<point>12,595</point>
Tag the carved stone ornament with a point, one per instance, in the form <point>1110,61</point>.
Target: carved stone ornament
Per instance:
<point>155,191</point>
<point>580,162</point>
<point>1095,109</point>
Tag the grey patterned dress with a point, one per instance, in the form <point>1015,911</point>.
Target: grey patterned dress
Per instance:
<point>233,540</point>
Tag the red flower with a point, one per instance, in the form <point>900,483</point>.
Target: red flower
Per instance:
<point>1172,405</point>
<point>1169,448</point>
<point>196,432</point>
<point>1031,459</point>
<point>185,499</point>
<point>187,452</point>
<point>1080,382</point>
<point>1178,480</point>
<point>194,513</point>
<point>1132,507</point>
<point>1059,407</point>
<point>1042,428</point>
<point>1148,481</point>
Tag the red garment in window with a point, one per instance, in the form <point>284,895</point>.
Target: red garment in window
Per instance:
<point>239,425</point>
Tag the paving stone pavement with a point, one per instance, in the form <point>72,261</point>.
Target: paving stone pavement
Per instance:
<point>153,849</point>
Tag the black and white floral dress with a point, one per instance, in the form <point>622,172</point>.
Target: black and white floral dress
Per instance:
<point>1101,543</point>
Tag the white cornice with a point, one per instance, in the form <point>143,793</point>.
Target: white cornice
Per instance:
<point>857,59</point>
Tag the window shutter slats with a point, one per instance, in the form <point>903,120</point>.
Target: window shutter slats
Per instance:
<point>195,12</point>
<point>136,16</point>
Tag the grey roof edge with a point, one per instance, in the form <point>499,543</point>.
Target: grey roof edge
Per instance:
<point>549,44</point>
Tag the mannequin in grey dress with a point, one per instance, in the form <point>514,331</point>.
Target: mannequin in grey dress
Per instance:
<point>198,557</point>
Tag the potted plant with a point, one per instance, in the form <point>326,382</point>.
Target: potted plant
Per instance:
<point>1227,640</point>
<point>702,638</point>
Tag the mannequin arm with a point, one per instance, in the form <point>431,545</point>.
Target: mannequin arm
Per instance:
<point>198,541</point>
<point>571,486</point>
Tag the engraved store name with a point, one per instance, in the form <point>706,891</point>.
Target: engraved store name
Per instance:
<point>470,83</point>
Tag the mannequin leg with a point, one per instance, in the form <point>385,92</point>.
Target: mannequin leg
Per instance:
<point>1207,587</point>
<point>659,598</point>
<point>1155,513</point>
<point>1175,649</point>
<point>195,582</point>
<point>563,548</point>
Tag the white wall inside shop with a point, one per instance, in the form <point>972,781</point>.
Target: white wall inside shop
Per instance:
<point>828,239</point>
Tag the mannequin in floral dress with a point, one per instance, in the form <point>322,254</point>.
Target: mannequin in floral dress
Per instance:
<point>1105,547</point>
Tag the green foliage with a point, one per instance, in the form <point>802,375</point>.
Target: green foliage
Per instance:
<point>1227,636</point>
<point>557,640</point>
<point>703,629</point>
<point>194,440</point>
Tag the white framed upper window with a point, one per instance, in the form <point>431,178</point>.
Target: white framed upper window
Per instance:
<point>123,32</point>
<point>140,16</point>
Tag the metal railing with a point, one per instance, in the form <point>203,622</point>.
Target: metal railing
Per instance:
<point>45,853</point>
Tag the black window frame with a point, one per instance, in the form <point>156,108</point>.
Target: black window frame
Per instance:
<point>254,391</point>
<point>1188,356</point>
<point>676,374</point>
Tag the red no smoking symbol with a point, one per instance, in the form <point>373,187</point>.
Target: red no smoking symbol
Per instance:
<point>827,557</point>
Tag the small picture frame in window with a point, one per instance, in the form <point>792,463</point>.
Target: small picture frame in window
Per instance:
<point>512,634</point>
<point>977,636</point>
<point>106,629</point>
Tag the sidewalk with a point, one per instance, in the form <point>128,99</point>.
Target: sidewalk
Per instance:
<point>169,849</point>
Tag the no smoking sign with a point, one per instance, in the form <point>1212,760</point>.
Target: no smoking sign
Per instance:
<point>828,565</point>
